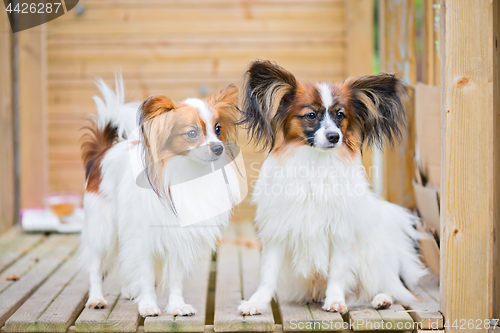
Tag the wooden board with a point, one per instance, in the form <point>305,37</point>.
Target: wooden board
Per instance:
<point>309,318</point>
<point>235,261</point>
<point>397,55</point>
<point>120,315</point>
<point>54,306</point>
<point>427,313</point>
<point>431,63</point>
<point>14,245</point>
<point>195,291</point>
<point>396,318</point>
<point>7,170</point>
<point>365,318</point>
<point>360,50</point>
<point>32,271</point>
<point>470,186</point>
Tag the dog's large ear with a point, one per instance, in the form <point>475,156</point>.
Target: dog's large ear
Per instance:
<point>225,102</point>
<point>377,102</point>
<point>155,121</point>
<point>269,93</point>
<point>153,107</point>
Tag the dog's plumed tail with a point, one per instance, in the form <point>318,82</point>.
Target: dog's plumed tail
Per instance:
<point>115,120</point>
<point>113,111</point>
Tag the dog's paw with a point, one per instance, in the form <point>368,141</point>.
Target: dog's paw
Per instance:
<point>382,301</point>
<point>181,310</point>
<point>96,303</point>
<point>147,309</point>
<point>248,308</point>
<point>335,306</point>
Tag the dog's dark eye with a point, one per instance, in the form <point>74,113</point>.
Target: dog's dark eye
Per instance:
<point>340,115</point>
<point>218,129</point>
<point>310,116</point>
<point>192,134</point>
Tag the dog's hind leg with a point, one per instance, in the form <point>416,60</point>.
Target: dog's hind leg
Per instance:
<point>96,245</point>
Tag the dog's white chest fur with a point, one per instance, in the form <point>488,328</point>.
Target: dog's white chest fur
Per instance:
<point>305,201</point>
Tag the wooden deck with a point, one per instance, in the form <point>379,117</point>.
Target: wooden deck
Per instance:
<point>41,290</point>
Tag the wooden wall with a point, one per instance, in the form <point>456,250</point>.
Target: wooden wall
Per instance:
<point>185,49</point>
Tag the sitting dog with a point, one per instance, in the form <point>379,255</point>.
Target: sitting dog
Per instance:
<point>325,235</point>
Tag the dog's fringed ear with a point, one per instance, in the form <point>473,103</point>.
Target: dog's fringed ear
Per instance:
<point>378,105</point>
<point>155,121</point>
<point>269,93</point>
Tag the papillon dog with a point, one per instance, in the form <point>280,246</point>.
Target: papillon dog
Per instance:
<point>326,237</point>
<point>134,218</point>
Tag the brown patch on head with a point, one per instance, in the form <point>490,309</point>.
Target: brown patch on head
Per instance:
<point>95,144</point>
<point>223,106</point>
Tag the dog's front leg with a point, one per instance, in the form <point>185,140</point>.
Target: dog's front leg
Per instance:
<point>147,296</point>
<point>176,305</point>
<point>340,278</point>
<point>272,258</point>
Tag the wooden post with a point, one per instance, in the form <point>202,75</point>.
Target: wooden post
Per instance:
<point>33,116</point>
<point>470,186</point>
<point>7,174</point>
<point>359,53</point>
<point>431,61</point>
<point>397,55</point>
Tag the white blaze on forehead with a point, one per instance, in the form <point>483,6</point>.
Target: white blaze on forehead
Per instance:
<point>326,94</point>
<point>204,112</point>
<point>327,124</point>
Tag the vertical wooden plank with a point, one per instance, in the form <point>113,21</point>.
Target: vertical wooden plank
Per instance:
<point>396,318</point>
<point>397,55</point>
<point>431,60</point>
<point>470,183</point>
<point>364,318</point>
<point>7,175</point>
<point>496,159</point>
<point>236,257</point>
<point>360,49</point>
<point>37,313</point>
<point>33,116</point>
<point>14,247</point>
<point>120,315</point>
<point>14,294</point>
<point>195,293</point>
<point>250,274</point>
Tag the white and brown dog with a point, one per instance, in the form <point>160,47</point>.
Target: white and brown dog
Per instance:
<point>139,228</point>
<point>325,235</point>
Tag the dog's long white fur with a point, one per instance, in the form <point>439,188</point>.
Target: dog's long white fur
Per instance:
<point>326,237</point>
<point>129,226</point>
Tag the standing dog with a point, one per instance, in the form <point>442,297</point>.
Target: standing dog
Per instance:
<point>137,223</point>
<point>325,235</point>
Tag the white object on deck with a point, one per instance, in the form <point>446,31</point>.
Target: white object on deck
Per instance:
<point>44,220</point>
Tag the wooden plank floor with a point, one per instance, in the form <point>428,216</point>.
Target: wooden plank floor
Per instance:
<point>41,290</point>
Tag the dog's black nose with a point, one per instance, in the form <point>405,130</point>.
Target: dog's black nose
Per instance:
<point>217,150</point>
<point>333,137</point>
